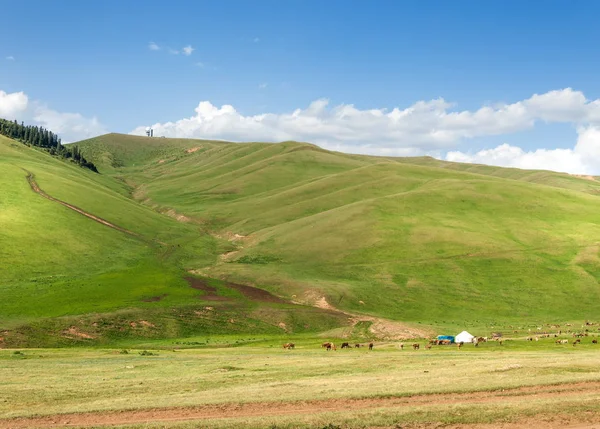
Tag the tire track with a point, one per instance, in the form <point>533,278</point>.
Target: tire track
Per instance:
<point>505,396</point>
<point>35,188</point>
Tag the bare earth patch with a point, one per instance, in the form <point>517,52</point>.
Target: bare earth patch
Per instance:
<point>73,332</point>
<point>227,256</point>
<point>499,398</point>
<point>177,216</point>
<point>384,329</point>
<point>586,177</point>
<point>154,298</point>
<point>194,149</point>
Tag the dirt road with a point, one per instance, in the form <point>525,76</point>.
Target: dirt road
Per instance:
<point>561,392</point>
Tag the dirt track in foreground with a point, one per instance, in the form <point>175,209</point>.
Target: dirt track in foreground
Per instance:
<point>561,392</point>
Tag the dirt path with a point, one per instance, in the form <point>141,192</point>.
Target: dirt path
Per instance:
<point>560,392</point>
<point>384,329</point>
<point>37,190</point>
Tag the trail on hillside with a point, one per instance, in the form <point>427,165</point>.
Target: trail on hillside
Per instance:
<point>35,187</point>
<point>563,393</point>
<point>381,328</point>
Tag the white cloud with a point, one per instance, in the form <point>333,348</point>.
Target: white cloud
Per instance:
<point>256,40</point>
<point>10,58</point>
<point>263,85</point>
<point>70,126</point>
<point>425,127</point>
<point>505,155</point>
<point>173,51</point>
<point>583,158</point>
<point>187,50</point>
<point>153,46</point>
<point>13,105</point>
<point>199,64</point>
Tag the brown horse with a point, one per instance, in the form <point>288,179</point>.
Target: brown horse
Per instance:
<point>289,346</point>
<point>328,346</point>
<point>345,346</point>
<point>416,346</point>
<point>370,346</point>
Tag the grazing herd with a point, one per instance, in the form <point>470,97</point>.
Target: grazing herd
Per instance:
<point>331,346</point>
<point>496,337</point>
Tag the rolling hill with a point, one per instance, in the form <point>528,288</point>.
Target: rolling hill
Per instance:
<point>282,239</point>
<point>67,279</point>
<point>411,239</point>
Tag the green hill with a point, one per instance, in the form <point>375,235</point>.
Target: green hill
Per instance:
<point>411,239</point>
<point>67,279</point>
<point>397,243</point>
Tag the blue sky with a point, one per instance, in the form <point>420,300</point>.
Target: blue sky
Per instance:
<point>93,60</point>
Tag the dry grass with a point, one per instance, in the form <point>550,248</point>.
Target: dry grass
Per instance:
<point>47,382</point>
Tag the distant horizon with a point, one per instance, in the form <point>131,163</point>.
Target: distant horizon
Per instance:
<point>320,147</point>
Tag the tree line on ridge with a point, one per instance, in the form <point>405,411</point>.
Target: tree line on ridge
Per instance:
<point>44,139</point>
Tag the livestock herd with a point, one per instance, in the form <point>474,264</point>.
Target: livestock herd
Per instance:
<point>496,337</point>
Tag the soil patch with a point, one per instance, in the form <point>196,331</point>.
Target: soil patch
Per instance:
<point>585,176</point>
<point>381,328</point>
<point>154,298</point>
<point>211,291</point>
<point>73,332</point>
<point>177,216</point>
<point>501,397</point>
<point>250,292</point>
<point>256,294</point>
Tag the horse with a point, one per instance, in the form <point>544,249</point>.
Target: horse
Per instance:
<point>289,346</point>
<point>345,346</point>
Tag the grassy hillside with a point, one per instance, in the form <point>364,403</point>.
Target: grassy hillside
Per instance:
<point>411,239</point>
<point>66,279</point>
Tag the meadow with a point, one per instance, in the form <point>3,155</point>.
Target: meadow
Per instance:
<point>261,385</point>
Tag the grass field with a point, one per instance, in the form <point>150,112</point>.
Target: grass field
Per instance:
<point>264,386</point>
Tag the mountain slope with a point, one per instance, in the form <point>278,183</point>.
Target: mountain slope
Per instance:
<point>412,239</point>
<point>68,279</point>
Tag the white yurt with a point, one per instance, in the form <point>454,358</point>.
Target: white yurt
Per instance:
<point>464,337</point>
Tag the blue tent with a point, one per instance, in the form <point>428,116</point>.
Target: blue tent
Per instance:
<point>446,337</point>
